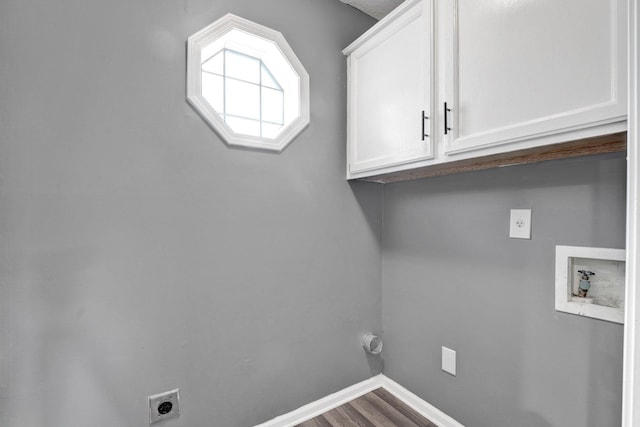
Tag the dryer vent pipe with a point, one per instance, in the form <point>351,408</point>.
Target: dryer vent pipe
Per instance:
<point>372,344</point>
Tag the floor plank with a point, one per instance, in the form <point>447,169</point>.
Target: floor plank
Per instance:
<point>389,411</point>
<point>346,416</point>
<point>378,408</point>
<point>404,408</point>
<point>370,412</point>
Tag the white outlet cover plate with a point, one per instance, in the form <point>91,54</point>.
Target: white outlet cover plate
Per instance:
<point>520,224</point>
<point>172,397</point>
<point>449,361</point>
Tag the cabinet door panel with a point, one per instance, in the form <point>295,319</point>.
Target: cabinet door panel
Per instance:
<point>522,69</point>
<point>389,88</point>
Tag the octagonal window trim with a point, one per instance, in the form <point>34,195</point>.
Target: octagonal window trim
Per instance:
<point>224,87</point>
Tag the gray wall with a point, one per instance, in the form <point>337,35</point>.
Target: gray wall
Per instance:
<point>138,253</point>
<point>452,277</point>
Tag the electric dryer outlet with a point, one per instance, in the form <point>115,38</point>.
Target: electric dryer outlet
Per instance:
<point>164,405</point>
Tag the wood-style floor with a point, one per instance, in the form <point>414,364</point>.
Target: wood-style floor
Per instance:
<point>378,408</point>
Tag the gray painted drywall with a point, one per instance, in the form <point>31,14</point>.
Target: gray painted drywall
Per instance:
<point>138,253</point>
<point>452,277</point>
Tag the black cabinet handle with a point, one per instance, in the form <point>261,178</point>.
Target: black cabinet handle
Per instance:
<point>423,117</point>
<point>446,120</point>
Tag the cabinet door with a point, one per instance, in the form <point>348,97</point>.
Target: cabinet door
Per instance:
<point>389,88</point>
<point>515,70</point>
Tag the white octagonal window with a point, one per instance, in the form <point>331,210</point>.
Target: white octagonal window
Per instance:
<point>246,82</point>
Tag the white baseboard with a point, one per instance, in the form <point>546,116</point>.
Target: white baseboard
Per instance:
<point>325,404</point>
<point>422,407</point>
<point>341,397</point>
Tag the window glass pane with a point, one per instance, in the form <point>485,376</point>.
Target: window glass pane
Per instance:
<point>212,91</point>
<point>214,64</point>
<point>272,105</point>
<point>243,99</point>
<point>268,79</point>
<point>270,130</point>
<point>242,67</point>
<point>244,126</point>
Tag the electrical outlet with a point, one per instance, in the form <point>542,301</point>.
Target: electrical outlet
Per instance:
<point>520,224</point>
<point>164,405</point>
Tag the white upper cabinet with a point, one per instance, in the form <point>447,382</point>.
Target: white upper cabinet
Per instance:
<point>541,71</point>
<point>492,76</point>
<point>390,97</point>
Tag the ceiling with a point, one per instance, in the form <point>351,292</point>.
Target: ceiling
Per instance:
<point>376,8</point>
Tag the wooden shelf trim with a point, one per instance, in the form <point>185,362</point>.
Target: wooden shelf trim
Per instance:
<point>612,143</point>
